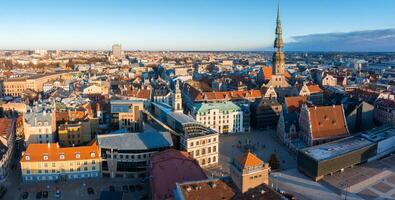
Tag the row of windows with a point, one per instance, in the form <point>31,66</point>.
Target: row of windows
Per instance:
<point>255,177</point>
<point>203,151</point>
<point>62,157</point>
<point>202,142</point>
<point>209,160</point>
<point>139,156</point>
<point>46,171</point>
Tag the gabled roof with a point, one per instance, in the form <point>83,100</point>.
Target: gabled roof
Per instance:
<point>294,103</point>
<point>313,88</point>
<point>327,121</point>
<point>248,160</point>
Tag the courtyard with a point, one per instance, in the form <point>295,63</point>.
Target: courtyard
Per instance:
<point>262,142</point>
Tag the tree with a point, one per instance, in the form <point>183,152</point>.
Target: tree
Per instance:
<point>274,162</point>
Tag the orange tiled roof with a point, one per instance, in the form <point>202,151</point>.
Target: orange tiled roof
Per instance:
<point>287,75</point>
<point>294,103</point>
<point>327,121</point>
<point>313,88</point>
<point>267,72</point>
<point>249,160</point>
<point>36,152</point>
<point>143,94</point>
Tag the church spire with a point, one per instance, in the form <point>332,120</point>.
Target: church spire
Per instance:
<point>278,43</point>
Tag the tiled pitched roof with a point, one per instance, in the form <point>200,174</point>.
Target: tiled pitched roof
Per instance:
<point>248,160</point>
<point>170,167</point>
<point>313,88</point>
<point>36,152</point>
<point>294,103</point>
<point>327,121</point>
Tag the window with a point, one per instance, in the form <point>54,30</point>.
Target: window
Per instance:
<point>209,150</point>
<point>93,154</point>
<point>27,157</point>
<point>93,162</point>
<point>61,156</point>
<point>214,159</point>
<point>77,155</point>
<point>85,168</point>
<point>214,149</point>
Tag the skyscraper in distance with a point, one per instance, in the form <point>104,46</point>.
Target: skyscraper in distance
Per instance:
<point>117,51</point>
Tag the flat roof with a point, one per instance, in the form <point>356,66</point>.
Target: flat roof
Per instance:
<point>179,116</point>
<point>336,148</point>
<point>135,141</point>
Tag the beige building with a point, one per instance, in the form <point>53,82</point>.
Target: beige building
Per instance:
<point>126,114</point>
<point>16,86</point>
<point>248,171</point>
<point>39,125</point>
<point>203,148</point>
<point>77,134</point>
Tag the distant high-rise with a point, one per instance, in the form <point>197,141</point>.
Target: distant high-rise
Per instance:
<point>117,50</point>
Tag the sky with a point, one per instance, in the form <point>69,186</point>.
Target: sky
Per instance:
<point>184,24</point>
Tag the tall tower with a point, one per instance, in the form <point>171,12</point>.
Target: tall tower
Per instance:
<point>177,99</point>
<point>278,56</point>
<point>278,60</point>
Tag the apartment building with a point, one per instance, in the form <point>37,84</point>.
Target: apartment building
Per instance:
<point>225,117</point>
<point>46,162</point>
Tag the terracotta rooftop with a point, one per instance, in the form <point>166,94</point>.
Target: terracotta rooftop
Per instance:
<point>36,152</point>
<point>313,88</point>
<point>223,189</point>
<point>248,160</point>
<point>169,167</point>
<point>294,103</point>
<point>327,121</point>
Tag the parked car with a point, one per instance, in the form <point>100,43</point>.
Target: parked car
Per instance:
<point>3,190</point>
<point>45,194</point>
<point>57,194</point>
<point>90,191</point>
<point>289,196</point>
<point>39,195</point>
<point>25,195</point>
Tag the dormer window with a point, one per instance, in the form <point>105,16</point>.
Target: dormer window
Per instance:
<point>61,156</point>
<point>27,157</point>
<point>77,155</point>
<point>45,157</point>
<point>93,154</point>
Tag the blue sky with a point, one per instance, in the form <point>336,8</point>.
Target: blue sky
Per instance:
<point>180,24</point>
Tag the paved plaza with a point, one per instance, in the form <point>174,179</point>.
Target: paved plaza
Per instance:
<point>373,180</point>
<point>263,144</point>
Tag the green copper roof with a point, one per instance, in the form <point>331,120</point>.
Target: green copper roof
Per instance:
<point>222,107</point>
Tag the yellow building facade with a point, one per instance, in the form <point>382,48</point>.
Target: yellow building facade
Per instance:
<point>46,162</point>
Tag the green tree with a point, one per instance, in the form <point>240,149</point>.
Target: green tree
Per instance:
<point>274,163</point>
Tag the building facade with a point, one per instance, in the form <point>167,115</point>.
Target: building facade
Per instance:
<point>46,162</point>
<point>39,124</point>
<point>127,154</point>
<point>224,117</point>
<point>7,146</point>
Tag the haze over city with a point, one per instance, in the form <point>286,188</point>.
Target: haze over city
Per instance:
<point>197,25</point>
<point>197,100</point>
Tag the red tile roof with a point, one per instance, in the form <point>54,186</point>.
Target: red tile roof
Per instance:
<point>313,88</point>
<point>169,167</point>
<point>327,121</point>
<point>294,103</point>
<point>249,160</point>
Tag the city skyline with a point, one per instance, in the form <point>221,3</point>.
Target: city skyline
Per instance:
<point>197,26</point>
